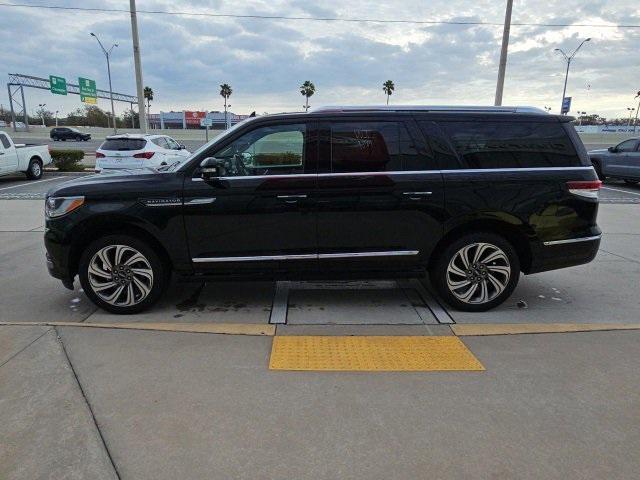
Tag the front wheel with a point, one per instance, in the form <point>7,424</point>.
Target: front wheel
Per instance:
<point>122,274</point>
<point>476,272</point>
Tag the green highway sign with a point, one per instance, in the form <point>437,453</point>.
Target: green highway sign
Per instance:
<point>57,85</point>
<point>88,90</point>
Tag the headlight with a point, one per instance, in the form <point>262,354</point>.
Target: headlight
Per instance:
<point>58,206</point>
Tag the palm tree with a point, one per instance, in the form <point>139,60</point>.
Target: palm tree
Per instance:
<point>388,88</point>
<point>307,89</point>
<point>148,94</point>
<point>225,92</point>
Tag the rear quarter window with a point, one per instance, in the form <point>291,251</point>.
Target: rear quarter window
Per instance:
<point>123,144</point>
<point>487,144</point>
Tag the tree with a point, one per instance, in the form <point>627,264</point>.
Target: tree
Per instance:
<point>388,88</point>
<point>148,94</point>
<point>225,92</point>
<point>307,89</point>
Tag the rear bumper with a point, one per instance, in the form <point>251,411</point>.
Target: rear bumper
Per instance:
<point>557,254</point>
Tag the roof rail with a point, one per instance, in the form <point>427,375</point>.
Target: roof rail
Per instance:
<point>426,108</point>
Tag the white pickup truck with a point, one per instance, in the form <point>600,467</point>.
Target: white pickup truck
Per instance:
<point>16,157</point>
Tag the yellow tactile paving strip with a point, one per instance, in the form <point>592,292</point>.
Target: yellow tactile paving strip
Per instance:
<point>372,353</point>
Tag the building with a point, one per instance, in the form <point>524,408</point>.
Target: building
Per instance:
<point>191,119</point>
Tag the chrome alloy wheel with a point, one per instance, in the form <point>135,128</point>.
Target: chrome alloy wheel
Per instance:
<point>36,170</point>
<point>478,273</point>
<point>120,275</point>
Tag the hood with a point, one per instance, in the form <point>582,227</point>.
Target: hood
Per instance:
<point>113,182</point>
<point>598,150</point>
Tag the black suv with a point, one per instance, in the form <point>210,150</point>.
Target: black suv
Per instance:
<point>68,133</point>
<point>470,196</point>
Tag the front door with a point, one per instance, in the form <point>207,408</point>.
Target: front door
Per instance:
<point>259,214</point>
<point>624,162</point>
<point>380,195</point>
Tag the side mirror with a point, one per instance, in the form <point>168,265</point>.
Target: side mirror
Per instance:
<point>211,168</point>
<point>181,146</point>
<point>612,149</point>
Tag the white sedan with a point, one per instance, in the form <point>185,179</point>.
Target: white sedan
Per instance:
<point>135,151</point>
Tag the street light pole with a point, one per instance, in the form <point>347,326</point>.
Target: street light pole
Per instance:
<point>42,105</point>
<point>142,116</point>
<point>568,59</point>
<point>635,122</point>
<point>108,54</point>
<point>631,110</point>
<point>503,54</point>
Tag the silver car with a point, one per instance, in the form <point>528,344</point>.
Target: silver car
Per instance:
<point>621,161</point>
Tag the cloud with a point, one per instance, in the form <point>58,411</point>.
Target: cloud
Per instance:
<point>186,58</point>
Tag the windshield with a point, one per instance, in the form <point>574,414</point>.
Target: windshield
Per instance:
<point>219,138</point>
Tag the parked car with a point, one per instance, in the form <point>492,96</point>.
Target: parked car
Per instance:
<point>471,196</point>
<point>621,161</point>
<point>136,151</point>
<point>68,133</point>
<point>20,157</point>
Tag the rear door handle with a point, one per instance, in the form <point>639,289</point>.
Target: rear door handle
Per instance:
<point>291,198</point>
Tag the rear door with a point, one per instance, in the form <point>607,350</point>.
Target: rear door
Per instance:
<point>380,195</point>
<point>259,215</point>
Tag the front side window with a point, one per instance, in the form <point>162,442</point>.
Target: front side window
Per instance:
<point>373,147</point>
<point>627,146</point>
<point>172,144</point>
<point>161,142</point>
<point>490,144</point>
<point>271,150</point>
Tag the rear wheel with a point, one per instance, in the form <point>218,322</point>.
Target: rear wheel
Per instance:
<point>122,274</point>
<point>476,272</point>
<point>34,172</point>
<point>632,182</point>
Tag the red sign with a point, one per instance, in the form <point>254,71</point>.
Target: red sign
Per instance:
<point>193,118</point>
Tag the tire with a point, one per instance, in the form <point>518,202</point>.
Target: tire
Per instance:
<point>34,171</point>
<point>632,182</point>
<point>598,168</point>
<point>495,286</point>
<point>135,285</point>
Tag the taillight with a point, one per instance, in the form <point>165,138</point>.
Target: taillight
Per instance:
<point>99,155</point>
<point>146,155</point>
<point>588,188</point>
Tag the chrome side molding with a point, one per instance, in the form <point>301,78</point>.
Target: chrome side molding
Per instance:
<point>310,256</point>
<point>573,240</point>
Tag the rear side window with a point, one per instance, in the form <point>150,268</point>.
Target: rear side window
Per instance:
<point>373,147</point>
<point>489,144</point>
<point>5,141</point>
<point>123,144</point>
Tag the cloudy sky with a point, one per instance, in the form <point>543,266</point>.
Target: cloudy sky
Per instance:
<point>185,58</point>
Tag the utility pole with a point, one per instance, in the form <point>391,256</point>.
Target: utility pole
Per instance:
<point>635,122</point>
<point>107,53</point>
<point>568,59</point>
<point>503,54</point>
<point>142,116</point>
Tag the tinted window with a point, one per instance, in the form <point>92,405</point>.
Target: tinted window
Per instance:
<point>161,142</point>
<point>627,146</point>
<point>5,141</point>
<point>489,144</point>
<point>274,150</point>
<point>373,147</point>
<point>123,144</point>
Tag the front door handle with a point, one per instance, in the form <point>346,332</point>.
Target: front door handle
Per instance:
<point>291,198</point>
<point>416,195</point>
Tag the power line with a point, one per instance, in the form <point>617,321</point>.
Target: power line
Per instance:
<point>321,19</point>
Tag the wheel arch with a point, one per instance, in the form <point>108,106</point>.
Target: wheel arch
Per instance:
<point>90,231</point>
<point>514,233</point>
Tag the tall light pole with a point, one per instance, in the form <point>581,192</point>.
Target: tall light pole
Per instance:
<point>568,59</point>
<point>142,116</point>
<point>630,109</point>
<point>107,53</point>
<point>635,122</point>
<point>503,54</point>
<point>42,105</point>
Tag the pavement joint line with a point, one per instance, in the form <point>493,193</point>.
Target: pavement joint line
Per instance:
<point>84,396</point>
<point>25,347</point>
<point>486,329</point>
<point>250,329</point>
